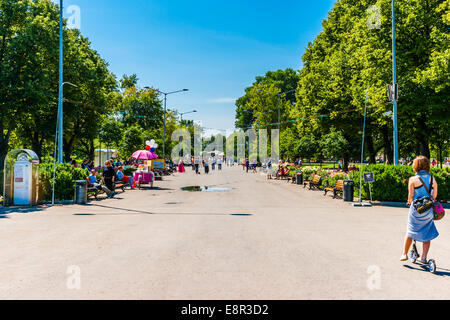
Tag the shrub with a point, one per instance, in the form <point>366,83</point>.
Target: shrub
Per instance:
<point>391,182</point>
<point>129,171</point>
<point>1,182</point>
<point>65,178</point>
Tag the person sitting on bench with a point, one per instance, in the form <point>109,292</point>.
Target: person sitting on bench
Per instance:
<point>283,172</point>
<point>122,177</point>
<point>92,180</point>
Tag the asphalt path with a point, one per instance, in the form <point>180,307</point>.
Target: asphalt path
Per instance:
<point>262,239</point>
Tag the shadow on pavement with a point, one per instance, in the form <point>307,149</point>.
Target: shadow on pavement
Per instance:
<point>422,267</point>
<point>134,211</point>
<point>5,211</point>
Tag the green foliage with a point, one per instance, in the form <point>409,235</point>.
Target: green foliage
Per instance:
<point>141,107</point>
<point>29,58</point>
<point>129,171</point>
<point>346,59</point>
<point>334,145</point>
<point>391,182</point>
<point>260,107</point>
<point>132,142</point>
<point>65,178</point>
<point>1,182</point>
<point>111,133</point>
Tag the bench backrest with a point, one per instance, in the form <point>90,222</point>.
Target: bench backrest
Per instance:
<point>316,178</point>
<point>339,184</point>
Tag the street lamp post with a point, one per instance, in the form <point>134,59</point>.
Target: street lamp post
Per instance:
<point>165,106</point>
<point>60,140</point>
<point>394,74</point>
<point>60,97</point>
<point>181,114</point>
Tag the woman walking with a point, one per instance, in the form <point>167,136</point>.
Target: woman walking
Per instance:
<point>206,166</point>
<point>420,226</point>
<point>181,166</point>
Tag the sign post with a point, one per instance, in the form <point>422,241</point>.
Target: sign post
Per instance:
<point>369,178</point>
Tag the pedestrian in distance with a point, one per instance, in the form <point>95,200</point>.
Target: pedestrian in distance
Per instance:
<point>197,165</point>
<point>206,166</point>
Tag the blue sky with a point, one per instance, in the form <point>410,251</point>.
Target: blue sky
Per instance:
<point>215,49</point>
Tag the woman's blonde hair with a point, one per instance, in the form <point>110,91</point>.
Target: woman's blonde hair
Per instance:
<point>421,163</point>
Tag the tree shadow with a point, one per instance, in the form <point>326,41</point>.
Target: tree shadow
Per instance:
<point>143,212</point>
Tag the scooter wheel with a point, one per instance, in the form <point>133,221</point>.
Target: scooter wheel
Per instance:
<point>412,256</point>
<point>432,266</point>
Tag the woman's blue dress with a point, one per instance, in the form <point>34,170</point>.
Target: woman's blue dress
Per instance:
<point>421,226</point>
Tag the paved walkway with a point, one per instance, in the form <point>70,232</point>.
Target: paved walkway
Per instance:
<point>261,240</point>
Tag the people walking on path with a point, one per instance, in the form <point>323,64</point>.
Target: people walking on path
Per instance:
<point>196,164</point>
<point>420,226</point>
<point>219,164</point>
<point>213,164</point>
<point>206,166</point>
<point>253,166</point>
<point>181,166</point>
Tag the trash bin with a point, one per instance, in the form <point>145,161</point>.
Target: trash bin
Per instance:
<point>299,177</point>
<point>348,190</point>
<point>81,192</point>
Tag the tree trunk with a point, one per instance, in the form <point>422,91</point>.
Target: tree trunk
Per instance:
<point>36,144</point>
<point>4,144</point>
<point>68,149</point>
<point>370,149</point>
<point>424,148</point>
<point>387,145</point>
<point>346,163</point>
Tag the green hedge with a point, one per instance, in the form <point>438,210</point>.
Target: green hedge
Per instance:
<point>66,175</point>
<point>1,182</point>
<point>391,182</point>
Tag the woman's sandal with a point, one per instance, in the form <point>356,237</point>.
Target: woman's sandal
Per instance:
<point>423,261</point>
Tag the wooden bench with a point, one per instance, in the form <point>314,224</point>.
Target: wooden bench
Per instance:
<point>292,179</point>
<point>339,187</point>
<point>94,191</point>
<point>314,183</point>
<point>120,185</point>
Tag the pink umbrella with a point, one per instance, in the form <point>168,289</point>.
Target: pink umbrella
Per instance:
<point>144,155</point>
